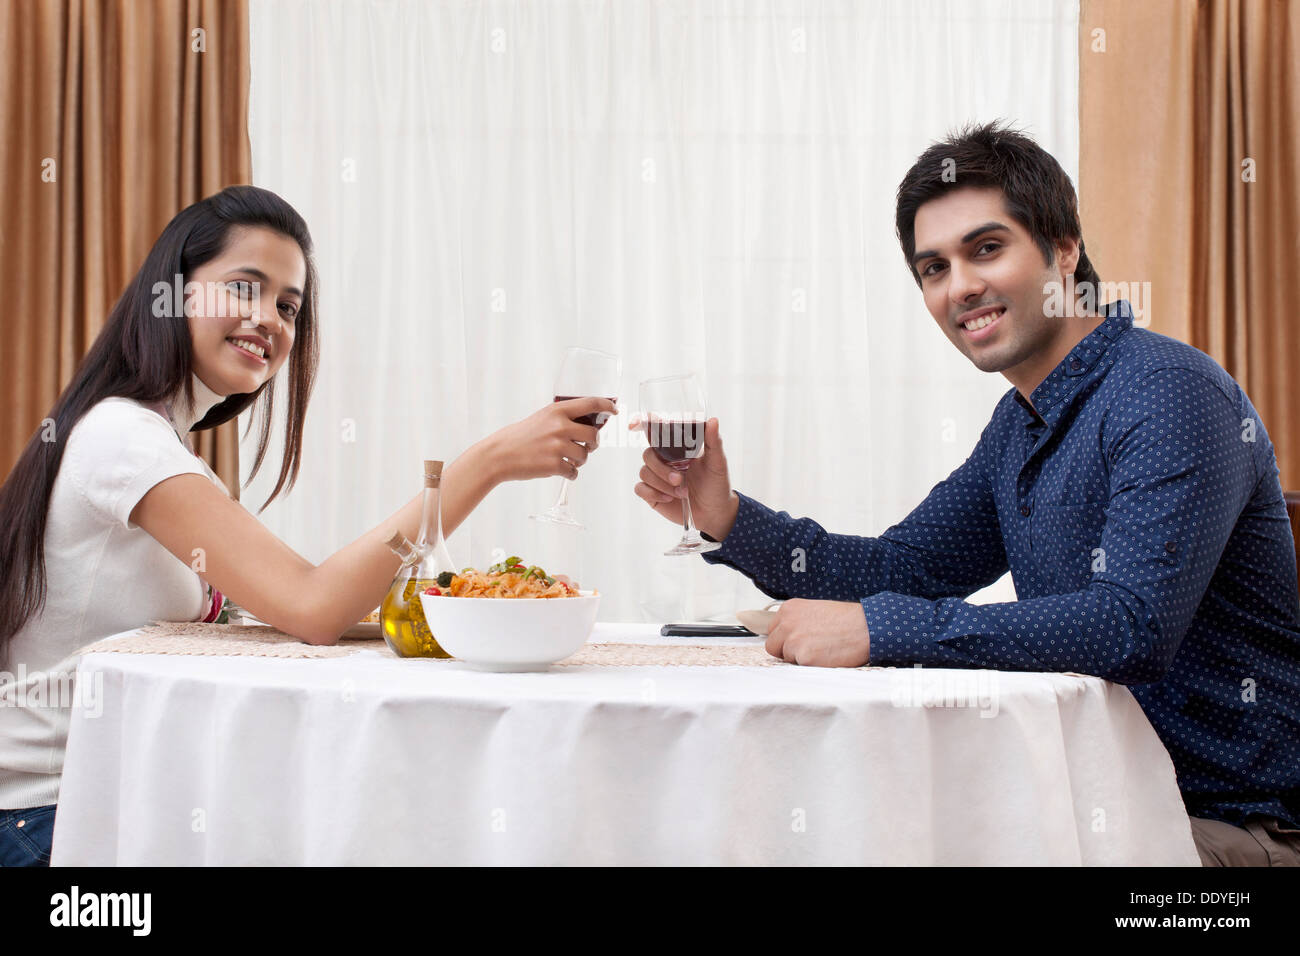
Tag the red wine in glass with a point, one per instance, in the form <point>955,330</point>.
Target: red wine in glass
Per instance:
<point>677,443</point>
<point>674,411</point>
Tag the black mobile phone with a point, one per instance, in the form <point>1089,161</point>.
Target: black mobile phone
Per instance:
<point>705,630</point>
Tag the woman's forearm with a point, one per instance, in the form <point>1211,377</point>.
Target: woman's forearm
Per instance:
<point>353,580</point>
<point>466,482</point>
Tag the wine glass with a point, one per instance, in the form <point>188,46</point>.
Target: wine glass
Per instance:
<point>583,373</point>
<point>673,415</point>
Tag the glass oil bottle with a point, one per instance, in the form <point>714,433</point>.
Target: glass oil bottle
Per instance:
<point>401,615</point>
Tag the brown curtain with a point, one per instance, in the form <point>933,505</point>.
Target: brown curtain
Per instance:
<point>115,116</point>
<point>1190,179</point>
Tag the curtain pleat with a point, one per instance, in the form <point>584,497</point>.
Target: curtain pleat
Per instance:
<point>1188,180</point>
<point>116,115</point>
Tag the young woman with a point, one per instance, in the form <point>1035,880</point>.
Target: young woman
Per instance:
<point>106,512</point>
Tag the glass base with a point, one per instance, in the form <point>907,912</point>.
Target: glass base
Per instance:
<point>559,516</point>
<point>692,543</point>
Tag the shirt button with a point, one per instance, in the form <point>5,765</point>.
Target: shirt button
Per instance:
<point>1171,547</point>
<point>1024,510</point>
<point>1075,365</point>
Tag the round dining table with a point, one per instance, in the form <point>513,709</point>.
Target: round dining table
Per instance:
<point>645,758</point>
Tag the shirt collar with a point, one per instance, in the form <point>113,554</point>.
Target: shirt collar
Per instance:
<point>1049,398</point>
<point>185,416</point>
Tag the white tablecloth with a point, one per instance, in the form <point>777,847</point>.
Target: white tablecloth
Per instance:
<point>370,760</point>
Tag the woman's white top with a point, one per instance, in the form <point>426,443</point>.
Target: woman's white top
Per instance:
<point>104,575</point>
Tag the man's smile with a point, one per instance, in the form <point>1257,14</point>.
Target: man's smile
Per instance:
<point>977,325</point>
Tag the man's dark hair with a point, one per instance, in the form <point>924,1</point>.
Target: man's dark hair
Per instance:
<point>1037,192</point>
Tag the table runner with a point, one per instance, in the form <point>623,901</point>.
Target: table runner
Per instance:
<point>235,640</point>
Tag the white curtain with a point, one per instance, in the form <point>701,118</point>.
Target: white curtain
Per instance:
<point>699,186</point>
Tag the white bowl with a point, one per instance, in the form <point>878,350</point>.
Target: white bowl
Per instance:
<point>511,634</point>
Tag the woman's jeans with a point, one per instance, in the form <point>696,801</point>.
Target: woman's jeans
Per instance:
<point>26,835</point>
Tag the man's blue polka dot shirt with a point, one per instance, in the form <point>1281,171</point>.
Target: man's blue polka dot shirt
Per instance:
<point>1135,500</point>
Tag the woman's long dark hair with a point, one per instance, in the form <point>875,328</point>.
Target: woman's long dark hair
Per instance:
<point>141,356</point>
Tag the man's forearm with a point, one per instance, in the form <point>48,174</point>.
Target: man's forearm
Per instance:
<point>1104,630</point>
<point>789,557</point>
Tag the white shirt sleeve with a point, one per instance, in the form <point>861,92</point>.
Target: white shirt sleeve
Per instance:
<point>117,452</point>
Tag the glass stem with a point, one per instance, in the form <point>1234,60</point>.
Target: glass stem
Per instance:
<point>688,521</point>
<point>562,501</point>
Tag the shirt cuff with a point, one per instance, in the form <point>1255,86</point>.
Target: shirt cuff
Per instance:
<point>754,546</point>
<point>750,524</point>
<point>900,629</point>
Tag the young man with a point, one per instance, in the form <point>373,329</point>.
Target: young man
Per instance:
<point>1125,481</point>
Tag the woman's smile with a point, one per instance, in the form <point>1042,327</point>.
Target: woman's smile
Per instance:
<point>251,349</point>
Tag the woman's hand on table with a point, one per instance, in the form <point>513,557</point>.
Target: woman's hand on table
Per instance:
<point>547,442</point>
<point>820,633</point>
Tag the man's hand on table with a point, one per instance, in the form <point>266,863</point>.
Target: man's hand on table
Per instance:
<point>820,633</point>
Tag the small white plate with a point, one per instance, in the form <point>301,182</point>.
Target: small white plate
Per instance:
<point>364,630</point>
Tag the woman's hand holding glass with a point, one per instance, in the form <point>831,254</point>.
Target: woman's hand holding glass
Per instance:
<point>582,372</point>
<point>547,442</point>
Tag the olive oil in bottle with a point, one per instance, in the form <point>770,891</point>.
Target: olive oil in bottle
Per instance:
<point>401,615</point>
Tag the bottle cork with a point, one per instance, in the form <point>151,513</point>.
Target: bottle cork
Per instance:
<point>432,474</point>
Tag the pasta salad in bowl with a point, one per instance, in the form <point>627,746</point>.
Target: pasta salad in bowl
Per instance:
<point>512,617</point>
